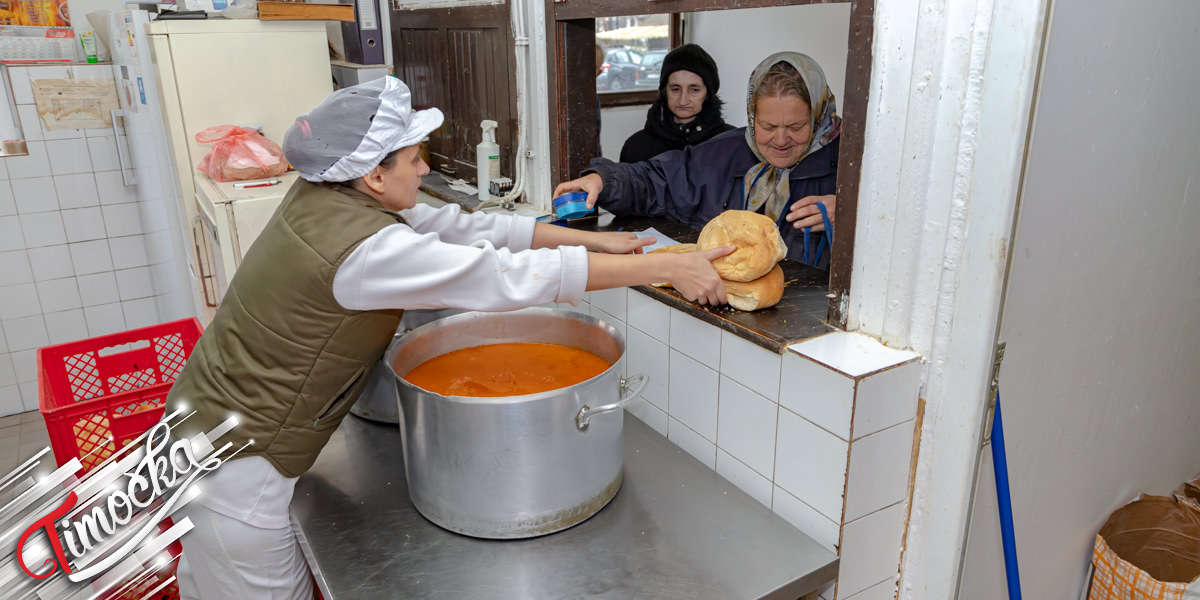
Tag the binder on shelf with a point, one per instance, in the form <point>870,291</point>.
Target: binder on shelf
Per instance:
<point>364,37</point>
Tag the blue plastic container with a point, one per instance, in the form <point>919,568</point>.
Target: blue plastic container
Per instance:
<point>571,206</point>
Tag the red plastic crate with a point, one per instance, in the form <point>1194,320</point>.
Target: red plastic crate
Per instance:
<point>109,386</point>
<point>113,387</point>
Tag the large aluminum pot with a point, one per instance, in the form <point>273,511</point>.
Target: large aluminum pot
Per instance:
<point>516,466</point>
<point>378,400</point>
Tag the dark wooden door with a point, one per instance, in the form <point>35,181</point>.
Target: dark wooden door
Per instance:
<point>460,60</point>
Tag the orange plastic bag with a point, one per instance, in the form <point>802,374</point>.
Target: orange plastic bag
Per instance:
<point>239,153</point>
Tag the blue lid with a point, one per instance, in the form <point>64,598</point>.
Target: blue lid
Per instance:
<point>571,206</point>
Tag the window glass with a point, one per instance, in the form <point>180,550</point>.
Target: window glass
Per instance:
<point>632,48</point>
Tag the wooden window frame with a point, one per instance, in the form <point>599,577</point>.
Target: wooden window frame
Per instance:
<point>635,98</point>
<point>570,42</point>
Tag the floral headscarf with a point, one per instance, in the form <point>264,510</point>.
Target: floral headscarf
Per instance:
<point>764,183</point>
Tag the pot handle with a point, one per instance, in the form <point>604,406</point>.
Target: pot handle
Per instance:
<point>630,388</point>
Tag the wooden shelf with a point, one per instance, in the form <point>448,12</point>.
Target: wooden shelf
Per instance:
<point>301,11</point>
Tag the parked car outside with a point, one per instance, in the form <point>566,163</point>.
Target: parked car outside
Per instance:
<point>620,70</point>
<point>650,69</point>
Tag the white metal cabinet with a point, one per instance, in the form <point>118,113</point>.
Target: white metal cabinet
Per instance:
<point>236,216</point>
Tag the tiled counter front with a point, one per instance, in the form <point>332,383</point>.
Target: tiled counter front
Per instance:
<point>822,435</point>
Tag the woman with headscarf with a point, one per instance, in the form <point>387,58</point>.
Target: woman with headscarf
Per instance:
<point>783,164</point>
<point>687,110</point>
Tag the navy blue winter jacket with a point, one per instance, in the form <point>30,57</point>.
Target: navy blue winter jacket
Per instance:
<point>697,183</point>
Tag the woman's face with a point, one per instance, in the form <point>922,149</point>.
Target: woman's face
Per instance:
<point>401,180</point>
<point>685,95</point>
<point>782,129</point>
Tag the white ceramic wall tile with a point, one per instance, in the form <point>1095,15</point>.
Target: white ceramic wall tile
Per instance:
<point>128,252</point>
<point>650,316</point>
<point>620,326</point>
<point>746,426</point>
<point>10,401</point>
<point>817,393</point>
<point>22,91</point>
<point>7,375</point>
<point>43,229</point>
<point>112,188</point>
<point>3,343</point>
<point>11,237</point>
<point>870,550</point>
<point>854,354</point>
<point>750,365</point>
<point>135,283</point>
<point>745,478</point>
<point>51,262</point>
<point>140,313</point>
<point>50,72</point>
<point>3,169</point>
<point>31,124</point>
<point>650,415</point>
<point>34,164</point>
<point>66,326</point>
<point>696,338</point>
<point>693,395</point>
<point>610,301</point>
<point>122,219</point>
<point>84,224</point>
<point>879,470</point>
<point>14,268</point>
<point>29,395</point>
<point>103,152</point>
<point>26,333</point>
<point>69,156</point>
<point>25,364</point>
<point>805,518</point>
<point>61,134</point>
<point>98,288</point>
<point>34,195</point>
<point>884,590</point>
<point>692,443</point>
<point>76,191</point>
<point>18,301</point>
<point>58,294</point>
<point>104,319</point>
<point>886,398</point>
<point>91,257</point>
<point>8,202</point>
<point>647,355</point>
<point>810,464</point>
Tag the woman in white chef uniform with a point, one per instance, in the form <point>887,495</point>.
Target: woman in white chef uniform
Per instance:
<point>314,304</point>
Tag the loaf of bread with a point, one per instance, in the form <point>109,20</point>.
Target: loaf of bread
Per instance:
<point>763,292</point>
<point>759,245</point>
<point>674,249</point>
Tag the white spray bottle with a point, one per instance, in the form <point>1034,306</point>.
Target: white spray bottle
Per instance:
<point>487,159</point>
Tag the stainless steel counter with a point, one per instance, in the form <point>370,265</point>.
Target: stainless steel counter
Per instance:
<point>675,530</point>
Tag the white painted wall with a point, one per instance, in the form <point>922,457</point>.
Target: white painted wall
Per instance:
<point>1099,379</point>
<point>819,30</point>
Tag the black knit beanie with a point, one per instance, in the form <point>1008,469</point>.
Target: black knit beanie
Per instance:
<point>690,57</point>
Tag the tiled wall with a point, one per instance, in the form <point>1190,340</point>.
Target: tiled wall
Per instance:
<point>73,259</point>
<point>822,435</point>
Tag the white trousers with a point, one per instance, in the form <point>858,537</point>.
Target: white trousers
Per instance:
<point>242,545</point>
<point>224,558</point>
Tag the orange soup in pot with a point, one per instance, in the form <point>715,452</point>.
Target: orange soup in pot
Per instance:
<point>513,369</point>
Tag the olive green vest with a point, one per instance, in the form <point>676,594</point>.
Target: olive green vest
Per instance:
<point>281,354</point>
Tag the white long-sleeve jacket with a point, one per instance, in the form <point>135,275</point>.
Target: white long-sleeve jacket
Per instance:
<point>445,258</point>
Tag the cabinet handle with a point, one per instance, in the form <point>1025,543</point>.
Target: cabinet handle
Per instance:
<point>205,278</point>
<point>128,177</point>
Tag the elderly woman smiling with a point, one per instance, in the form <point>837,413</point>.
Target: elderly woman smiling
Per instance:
<point>783,164</point>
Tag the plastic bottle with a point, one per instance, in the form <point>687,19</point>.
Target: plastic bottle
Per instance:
<point>487,159</point>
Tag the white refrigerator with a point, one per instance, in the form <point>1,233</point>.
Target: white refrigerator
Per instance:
<point>179,77</point>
